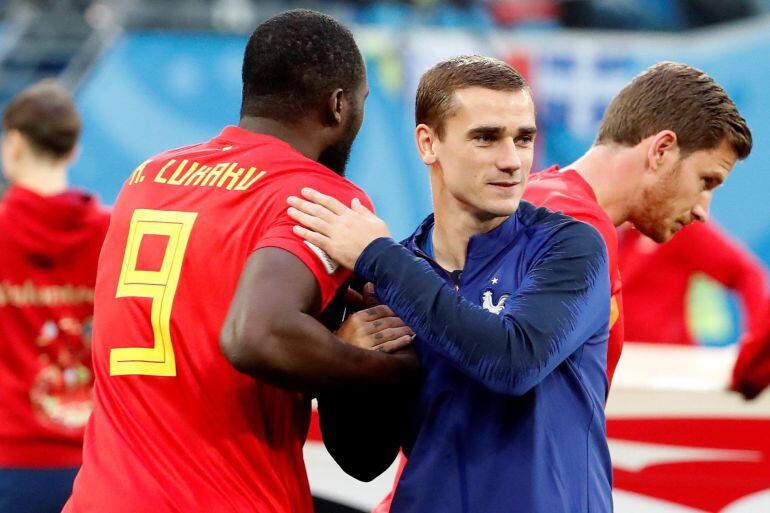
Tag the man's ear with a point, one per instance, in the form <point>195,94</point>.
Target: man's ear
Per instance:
<point>426,138</point>
<point>664,146</point>
<point>336,103</point>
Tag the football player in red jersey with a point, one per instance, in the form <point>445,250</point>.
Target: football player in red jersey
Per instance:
<point>50,237</point>
<point>667,141</point>
<point>207,303</point>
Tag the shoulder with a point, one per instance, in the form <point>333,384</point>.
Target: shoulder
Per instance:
<point>567,193</point>
<point>302,172</point>
<point>573,236</point>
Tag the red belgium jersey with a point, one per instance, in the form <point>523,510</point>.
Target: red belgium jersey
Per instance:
<point>567,192</point>
<point>175,427</point>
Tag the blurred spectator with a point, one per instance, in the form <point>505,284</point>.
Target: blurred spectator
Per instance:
<point>514,12</point>
<point>50,237</point>
<point>751,374</point>
<point>656,279</point>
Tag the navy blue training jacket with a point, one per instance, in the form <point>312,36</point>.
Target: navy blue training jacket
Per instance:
<point>510,416</point>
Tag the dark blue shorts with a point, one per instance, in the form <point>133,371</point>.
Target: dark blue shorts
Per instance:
<point>27,490</point>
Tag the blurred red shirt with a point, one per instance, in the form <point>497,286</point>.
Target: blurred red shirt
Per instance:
<point>656,279</point>
<point>50,246</point>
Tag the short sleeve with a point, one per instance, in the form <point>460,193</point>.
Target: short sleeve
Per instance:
<point>278,233</point>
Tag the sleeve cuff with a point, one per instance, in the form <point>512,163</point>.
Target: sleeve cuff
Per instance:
<point>367,261</point>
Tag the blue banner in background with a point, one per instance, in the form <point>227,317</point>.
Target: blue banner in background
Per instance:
<point>154,91</point>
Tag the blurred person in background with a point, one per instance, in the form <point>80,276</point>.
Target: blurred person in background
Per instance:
<point>657,278</point>
<point>50,237</point>
<point>751,373</point>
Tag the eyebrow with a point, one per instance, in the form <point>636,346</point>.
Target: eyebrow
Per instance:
<point>526,130</point>
<point>487,130</point>
<point>718,177</point>
<point>497,131</point>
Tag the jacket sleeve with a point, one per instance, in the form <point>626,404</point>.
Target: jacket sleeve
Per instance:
<point>563,301</point>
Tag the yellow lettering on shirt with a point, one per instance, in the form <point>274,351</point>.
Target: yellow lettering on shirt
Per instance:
<point>199,174</point>
<point>232,175</point>
<point>248,181</point>
<point>136,175</point>
<point>174,178</point>
<point>186,173</point>
<point>159,177</point>
<point>214,174</point>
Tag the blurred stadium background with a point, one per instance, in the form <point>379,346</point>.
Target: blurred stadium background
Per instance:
<point>154,74</point>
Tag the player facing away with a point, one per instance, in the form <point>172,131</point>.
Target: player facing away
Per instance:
<point>206,302</point>
<point>667,141</point>
<point>50,235</point>
<point>510,304</point>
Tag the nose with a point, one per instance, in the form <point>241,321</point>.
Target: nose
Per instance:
<point>701,209</point>
<point>508,159</point>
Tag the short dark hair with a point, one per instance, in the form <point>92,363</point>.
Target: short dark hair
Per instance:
<point>677,97</point>
<point>294,61</point>
<point>435,93</point>
<point>45,114</point>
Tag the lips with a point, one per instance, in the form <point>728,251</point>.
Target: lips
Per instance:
<point>505,184</point>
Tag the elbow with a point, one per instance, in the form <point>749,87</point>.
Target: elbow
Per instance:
<point>238,347</point>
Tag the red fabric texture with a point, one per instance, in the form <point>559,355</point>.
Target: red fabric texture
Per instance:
<point>205,437</point>
<point>656,279</point>
<point>50,247</point>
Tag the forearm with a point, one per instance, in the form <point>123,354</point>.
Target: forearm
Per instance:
<point>499,351</point>
<point>296,351</point>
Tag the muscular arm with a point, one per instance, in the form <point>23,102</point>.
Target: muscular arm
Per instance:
<point>561,304</point>
<point>270,332</point>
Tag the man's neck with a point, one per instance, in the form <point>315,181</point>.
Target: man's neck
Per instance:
<point>609,172</point>
<point>44,178</point>
<point>293,135</point>
<point>453,228</point>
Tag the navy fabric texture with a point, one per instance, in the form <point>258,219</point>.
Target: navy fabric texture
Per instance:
<point>27,490</point>
<point>510,416</point>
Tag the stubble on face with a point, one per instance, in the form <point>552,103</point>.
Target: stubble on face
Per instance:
<point>336,155</point>
<point>658,218</point>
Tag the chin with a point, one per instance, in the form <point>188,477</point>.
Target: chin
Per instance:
<point>659,236</point>
<point>501,209</point>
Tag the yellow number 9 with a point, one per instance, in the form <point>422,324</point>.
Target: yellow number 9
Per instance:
<point>159,285</point>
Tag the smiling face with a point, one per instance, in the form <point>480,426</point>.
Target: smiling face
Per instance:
<point>682,194</point>
<point>482,161</point>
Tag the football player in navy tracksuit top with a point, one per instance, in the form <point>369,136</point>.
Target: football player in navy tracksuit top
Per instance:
<point>510,304</point>
<point>659,155</point>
